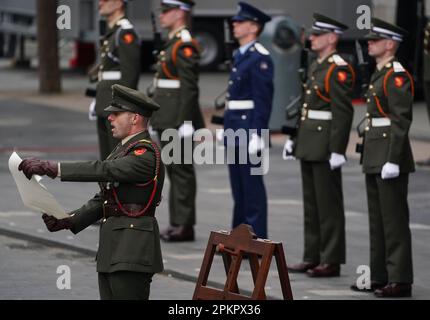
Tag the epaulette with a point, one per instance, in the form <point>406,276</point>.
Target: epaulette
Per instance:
<point>397,66</point>
<point>125,24</point>
<point>261,49</point>
<point>338,60</point>
<point>185,35</point>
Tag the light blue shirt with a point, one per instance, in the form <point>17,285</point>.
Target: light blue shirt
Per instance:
<point>245,47</point>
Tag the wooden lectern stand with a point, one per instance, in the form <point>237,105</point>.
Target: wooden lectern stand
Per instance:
<point>233,246</point>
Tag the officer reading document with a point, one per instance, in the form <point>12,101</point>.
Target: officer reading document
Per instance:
<point>131,182</point>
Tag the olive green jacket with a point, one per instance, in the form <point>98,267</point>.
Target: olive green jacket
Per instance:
<point>328,88</point>
<point>178,61</point>
<point>390,96</point>
<point>125,243</point>
<point>119,51</point>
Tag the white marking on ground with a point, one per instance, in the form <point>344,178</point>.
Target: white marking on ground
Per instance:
<point>8,214</point>
<point>219,190</point>
<point>190,256</point>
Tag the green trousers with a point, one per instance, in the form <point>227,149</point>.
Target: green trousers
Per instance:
<point>124,285</point>
<point>106,141</point>
<point>324,217</point>
<point>183,186</point>
<point>390,236</point>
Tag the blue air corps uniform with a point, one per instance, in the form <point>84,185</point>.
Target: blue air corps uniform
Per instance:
<point>249,103</point>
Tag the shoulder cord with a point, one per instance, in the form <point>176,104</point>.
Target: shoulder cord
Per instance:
<point>154,180</point>
<point>387,75</point>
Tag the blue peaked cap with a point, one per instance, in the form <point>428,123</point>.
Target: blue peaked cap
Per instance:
<point>247,12</point>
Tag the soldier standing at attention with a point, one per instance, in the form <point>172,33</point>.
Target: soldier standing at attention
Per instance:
<point>119,63</point>
<point>426,78</point>
<point>131,182</point>
<point>177,92</point>
<point>320,145</point>
<point>387,162</point>
<point>248,107</point>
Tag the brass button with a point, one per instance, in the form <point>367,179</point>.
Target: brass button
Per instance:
<point>243,117</point>
<point>388,65</point>
<point>367,129</point>
<point>374,93</point>
<point>312,78</point>
<point>105,42</point>
<point>371,86</point>
<point>368,100</point>
<point>132,226</point>
<point>308,91</point>
<point>384,135</point>
<point>330,60</point>
<point>303,118</point>
<point>368,114</point>
<point>103,55</point>
<point>319,128</point>
<point>163,52</point>
<point>230,82</point>
<point>305,105</point>
<point>105,202</point>
<point>234,69</point>
<point>316,87</point>
<point>104,220</point>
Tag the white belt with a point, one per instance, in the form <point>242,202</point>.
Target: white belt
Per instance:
<point>380,122</point>
<point>167,84</point>
<point>319,115</point>
<point>240,104</point>
<point>110,75</point>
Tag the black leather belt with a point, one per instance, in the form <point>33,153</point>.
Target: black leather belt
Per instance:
<point>113,210</point>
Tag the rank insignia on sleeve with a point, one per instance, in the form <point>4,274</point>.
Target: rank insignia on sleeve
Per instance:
<point>128,38</point>
<point>341,76</point>
<point>399,81</point>
<point>139,152</point>
<point>188,52</point>
<point>264,66</point>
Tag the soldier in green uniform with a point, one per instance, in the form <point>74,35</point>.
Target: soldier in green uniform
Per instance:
<point>426,78</point>
<point>177,92</point>
<point>131,181</point>
<point>119,62</point>
<point>320,144</point>
<point>387,162</point>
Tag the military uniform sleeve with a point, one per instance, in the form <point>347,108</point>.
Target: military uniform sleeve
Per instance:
<point>138,166</point>
<point>88,214</point>
<point>400,101</point>
<point>129,55</point>
<point>262,92</point>
<point>188,73</point>
<point>341,87</point>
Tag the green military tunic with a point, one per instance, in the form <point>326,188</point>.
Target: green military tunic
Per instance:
<point>324,129</point>
<point>389,116</point>
<point>119,63</point>
<point>126,243</point>
<point>177,93</point>
<point>426,66</point>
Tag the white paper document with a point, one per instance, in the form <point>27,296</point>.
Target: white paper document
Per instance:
<point>34,194</point>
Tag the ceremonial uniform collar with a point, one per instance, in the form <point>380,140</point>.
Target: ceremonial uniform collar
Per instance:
<point>382,64</point>
<point>174,33</point>
<point>245,47</point>
<point>321,60</point>
<point>128,138</point>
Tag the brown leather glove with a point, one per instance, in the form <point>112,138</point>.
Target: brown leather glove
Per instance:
<point>35,166</point>
<point>53,224</point>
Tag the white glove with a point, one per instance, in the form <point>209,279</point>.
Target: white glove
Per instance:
<point>390,170</point>
<point>255,144</point>
<point>336,160</point>
<point>92,116</point>
<point>287,153</point>
<point>186,130</point>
